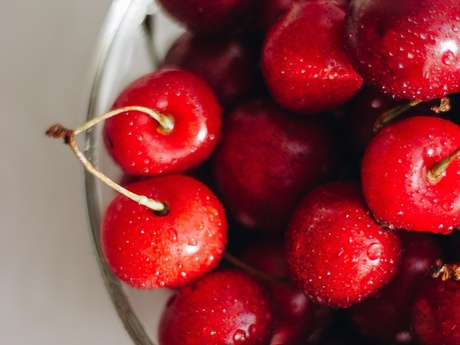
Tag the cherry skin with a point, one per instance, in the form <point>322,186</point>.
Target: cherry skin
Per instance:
<point>150,250</point>
<point>435,314</point>
<point>386,316</point>
<point>335,252</point>
<point>299,321</point>
<point>303,58</point>
<point>396,178</point>
<point>210,17</point>
<point>141,147</point>
<point>234,76</point>
<point>267,159</point>
<point>406,48</point>
<point>226,306</point>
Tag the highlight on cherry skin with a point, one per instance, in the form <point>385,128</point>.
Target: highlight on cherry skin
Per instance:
<point>251,196</point>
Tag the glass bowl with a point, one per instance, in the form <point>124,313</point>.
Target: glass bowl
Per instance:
<point>134,36</point>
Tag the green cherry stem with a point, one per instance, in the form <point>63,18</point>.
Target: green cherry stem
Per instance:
<point>58,131</point>
<point>391,114</point>
<point>437,171</point>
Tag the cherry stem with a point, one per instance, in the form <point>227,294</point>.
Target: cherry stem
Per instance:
<point>445,271</point>
<point>252,270</point>
<point>391,114</point>
<point>437,171</point>
<point>60,132</point>
<point>444,106</point>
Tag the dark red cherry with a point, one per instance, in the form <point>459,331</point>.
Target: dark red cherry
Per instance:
<point>229,64</point>
<point>211,17</point>
<point>406,48</point>
<point>266,161</point>
<point>147,249</point>
<point>299,321</point>
<point>335,252</point>
<point>436,313</point>
<point>141,146</point>
<point>224,307</point>
<point>386,316</point>
<point>303,58</point>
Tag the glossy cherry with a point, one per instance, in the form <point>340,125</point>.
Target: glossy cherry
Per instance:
<point>303,58</point>
<point>267,159</point>
<point>224,307</point>
<point>406,48</point>
<point>401,183</point>
<point>148,249</point>
<point>141,146</point>
<point>335,252</point>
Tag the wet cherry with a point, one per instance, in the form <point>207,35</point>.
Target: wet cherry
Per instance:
<point>406,48</point>
<point>335,252</point>
<point>224,307</point>
<point>267,159</point>
<point>303,58</point>
<point>148,249</point>
<point>402,181</point>
<point>142,146</point>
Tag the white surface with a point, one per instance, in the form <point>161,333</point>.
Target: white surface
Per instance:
<point>50,288</point>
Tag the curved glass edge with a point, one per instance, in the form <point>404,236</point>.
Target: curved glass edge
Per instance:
<point>117,13</point>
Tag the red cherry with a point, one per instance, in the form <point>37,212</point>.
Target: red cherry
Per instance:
<point>303,58</point>
<point>436,313</point>
<point>299,320</point>
<point>398,181</point>
<point>406,48</point>
<point>335,252</point>
<point>235,74</point>
<point>147,249</point>
<point>210,17</point>
<point>267,160</point>
<point>141,147</point>
<point>386,316</point>
<point>224,307</point>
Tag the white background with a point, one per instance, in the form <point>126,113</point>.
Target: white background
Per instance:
<point>50,288</point>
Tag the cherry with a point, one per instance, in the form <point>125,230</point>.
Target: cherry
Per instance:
<point>435,317</point>
<point>226,306</point>
<point>406,48</point>
<point>335,252</point>
<point>234,76</point>
<point>267,159</point>
<point>405,180</point>
<point>303,58</point>
<point>142,146</point>
<point>386,315</point>
<point>150,249</point>
<point>300,322</point>
<point>210,17</point>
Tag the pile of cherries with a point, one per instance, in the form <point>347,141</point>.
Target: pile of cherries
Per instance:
<point>298,181</point>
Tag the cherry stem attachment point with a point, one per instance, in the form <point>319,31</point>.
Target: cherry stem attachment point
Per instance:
<point>252,270</point>
<point>445,271</point>
<point>60,132</point>
<point>391,114</point>
<point>437,171</point>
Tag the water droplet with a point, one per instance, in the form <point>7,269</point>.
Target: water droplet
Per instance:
<point>374,251</point>
<point>448,57</point>
<point>192,242</point>
<point>239,337</point>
